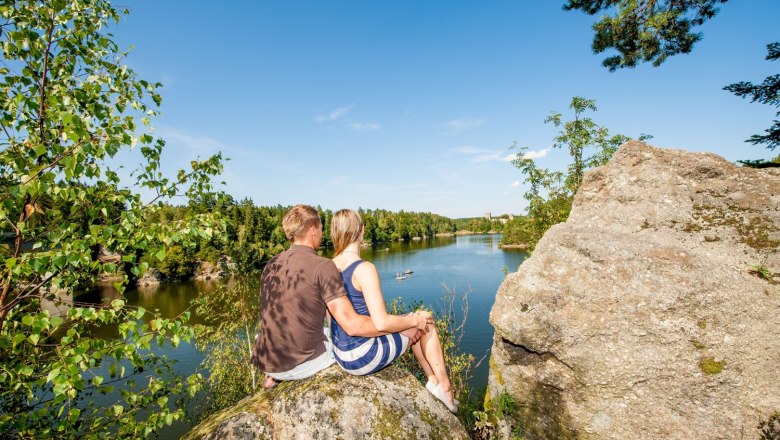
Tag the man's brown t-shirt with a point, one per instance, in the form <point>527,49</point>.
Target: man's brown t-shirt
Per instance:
<point>296,286</point>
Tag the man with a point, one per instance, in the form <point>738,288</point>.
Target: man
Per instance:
<point>297,287</point>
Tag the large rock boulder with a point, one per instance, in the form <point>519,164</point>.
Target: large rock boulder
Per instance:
<point>391,404</point>
<point>654,311</point>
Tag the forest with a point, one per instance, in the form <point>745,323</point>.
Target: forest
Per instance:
<point>253,234</point>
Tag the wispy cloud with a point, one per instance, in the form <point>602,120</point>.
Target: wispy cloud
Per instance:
<point>493,157</point>
<point>462,124</point>
<point>363,126</point>
<point>515,184</point>
<point>482,155</point>
<point>339,117</point>
<point>538,154</point>
<point>468,149</point>
<point>190,140</point>
<point>335,114</point>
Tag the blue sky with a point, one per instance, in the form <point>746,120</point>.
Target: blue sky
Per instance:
<point>413,105</point>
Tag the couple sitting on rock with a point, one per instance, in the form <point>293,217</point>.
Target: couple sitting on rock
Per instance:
<point>299,288</point>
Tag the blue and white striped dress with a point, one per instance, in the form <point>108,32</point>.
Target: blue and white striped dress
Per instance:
<point>356,354</point>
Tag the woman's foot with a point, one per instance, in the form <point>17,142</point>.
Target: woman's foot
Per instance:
<point>269,382</point>
<point>439,393</point>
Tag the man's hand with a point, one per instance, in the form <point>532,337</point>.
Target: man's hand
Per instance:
<point>413,334</point>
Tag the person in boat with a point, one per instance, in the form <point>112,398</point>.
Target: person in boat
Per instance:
<point>297,288</point>
<point>360,355</point>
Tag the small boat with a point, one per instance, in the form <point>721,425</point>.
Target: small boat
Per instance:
<point>408,271</point>
<point>400,277</point>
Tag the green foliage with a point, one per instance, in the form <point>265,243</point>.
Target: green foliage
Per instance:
<point>645,30</point>
<point>382,226</point>
<point>767,92</point>
<point>230,315</point>
<point>179,262</point>
<point>68,106</point>
<point>517,231</point>
<point>501,408</point>
<point>478,225</point>
<point>53,370</point>
<point>552,191</point>
<point>761,271</point>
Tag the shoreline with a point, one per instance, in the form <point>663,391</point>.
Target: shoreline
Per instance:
<point>521,246</point>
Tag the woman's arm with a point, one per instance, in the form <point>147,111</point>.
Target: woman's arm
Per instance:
<point>367,280</point>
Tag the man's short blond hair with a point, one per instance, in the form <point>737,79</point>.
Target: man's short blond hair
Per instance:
<point>298,219</point>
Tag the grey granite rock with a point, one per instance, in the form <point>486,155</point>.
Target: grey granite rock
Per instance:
<point>391,404</point>
<point>644,316</point>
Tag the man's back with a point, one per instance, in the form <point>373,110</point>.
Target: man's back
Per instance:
<point>296,286</point>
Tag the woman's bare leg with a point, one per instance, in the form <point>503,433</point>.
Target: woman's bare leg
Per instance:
<point>417,350</point>
<point>430,347</point>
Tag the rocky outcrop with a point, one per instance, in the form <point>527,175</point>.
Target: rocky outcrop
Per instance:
<point>207,271</point>
<point>105,255</point>
<point>654,311</point>
<point>152,277</point>
<point>391,404</point>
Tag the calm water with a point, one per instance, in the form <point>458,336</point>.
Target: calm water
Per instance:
<point>468,265</point>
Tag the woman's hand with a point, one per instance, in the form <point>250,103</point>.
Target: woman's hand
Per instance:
<point>423,319</point>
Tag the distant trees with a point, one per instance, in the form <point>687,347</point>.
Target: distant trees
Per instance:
<point>551,192</point>
<point>478,225</point>
<point>254,234</point>
<point>382,225</point>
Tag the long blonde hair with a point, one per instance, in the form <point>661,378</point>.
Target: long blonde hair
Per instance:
<point>345,229</point>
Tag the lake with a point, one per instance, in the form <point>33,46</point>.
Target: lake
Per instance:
<point>471,264</point>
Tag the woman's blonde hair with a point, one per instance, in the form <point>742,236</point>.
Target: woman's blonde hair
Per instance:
<point>298,219</point>
<point>345,229</point>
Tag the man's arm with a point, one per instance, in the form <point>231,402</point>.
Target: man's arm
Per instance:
<point>342,310</point>
<point>352,322</point>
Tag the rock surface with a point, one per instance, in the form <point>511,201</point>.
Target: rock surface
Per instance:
<point>388,405</point>
<point>646,315</point>
<point>152,277</point>
<point>207,270</point>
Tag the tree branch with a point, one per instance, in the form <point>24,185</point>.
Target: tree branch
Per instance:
<point>44,73</point>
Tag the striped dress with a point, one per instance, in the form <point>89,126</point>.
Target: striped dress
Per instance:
<point>360,355</point>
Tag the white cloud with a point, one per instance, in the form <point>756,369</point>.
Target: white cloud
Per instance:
<point>468,149</point>
<point>536,154</point>
<point>458,125</point>
<point>515,184</point>
<point>335,114</point>
<point>482,155</point>
<point>338,116</point>
<point>193,141</point>
<point>364,126</point>
<point>493,157</point>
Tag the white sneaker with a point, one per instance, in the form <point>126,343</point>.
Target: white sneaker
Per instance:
<point>438,392</point>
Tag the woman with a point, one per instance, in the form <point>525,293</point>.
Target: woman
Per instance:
<point>359,355</point>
